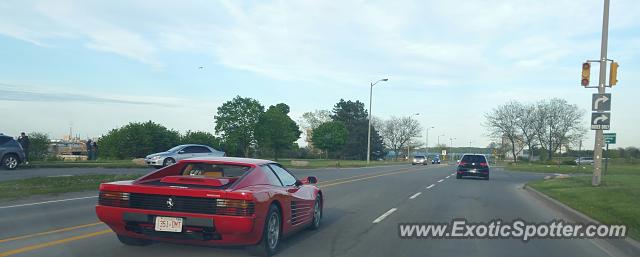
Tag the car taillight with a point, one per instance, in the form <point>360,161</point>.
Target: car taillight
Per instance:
<point>484,164</point>
<point>112,198</point>
<point>235,207</point>
<point>462,163</point>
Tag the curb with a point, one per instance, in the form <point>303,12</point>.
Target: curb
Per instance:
<point>627,246</point>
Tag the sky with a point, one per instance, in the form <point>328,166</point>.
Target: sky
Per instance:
<point>97,65</point>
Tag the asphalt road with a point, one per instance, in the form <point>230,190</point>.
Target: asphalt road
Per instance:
<point>354,199</point>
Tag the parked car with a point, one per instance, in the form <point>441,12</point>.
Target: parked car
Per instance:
<point>180,152</point>
<point>473,165</point>
<point>11,152</point>
<point>219,201</point>
<point>584,161</point>
<point>419,159</point>
<point>435,160</point>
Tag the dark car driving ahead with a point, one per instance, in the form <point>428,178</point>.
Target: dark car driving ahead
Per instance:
<point>11,152</point>
<point>473,165</point>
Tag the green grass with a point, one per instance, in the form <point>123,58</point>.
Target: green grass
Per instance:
<point>14,189</point>
<point>614,169</point>
<point>85,164</point>
<point>616,201</point>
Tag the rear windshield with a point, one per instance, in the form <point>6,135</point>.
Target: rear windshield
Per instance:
<point>474,158</point>
<point>214,170</point>
<point>419,157</point>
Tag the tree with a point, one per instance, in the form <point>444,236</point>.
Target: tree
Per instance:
<point>398,132</point>
<point>557,123</point>
<point>355,118</point>
<point>311,120</point>
<point>502,124</point>
<point>137,140</point>
<point>39,146</point>
<point>201,138</point>
<point>525,122</point>
<point>276,130</point>
<point>330,136</point>
<point>236,122</point>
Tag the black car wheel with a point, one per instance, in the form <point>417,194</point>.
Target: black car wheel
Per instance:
<point>133,241</point>
<point>10,161</point>
<point>270,235</point>
<point>168,162</point>
<point>458,176</point>
<point>317,214</point>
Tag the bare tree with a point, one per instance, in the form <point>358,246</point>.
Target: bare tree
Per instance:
<point>557,123</point>
<point>397,132</point>
<point>502,124</point>
<point>525,122</point>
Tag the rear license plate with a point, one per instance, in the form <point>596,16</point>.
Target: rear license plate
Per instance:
<point>168,224</point>
<point>473,171</point>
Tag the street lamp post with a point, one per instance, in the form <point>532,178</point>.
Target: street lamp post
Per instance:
<point>451,146</point>
<point>369,134</point>
<point>409,141</point>
<point>426,146</point>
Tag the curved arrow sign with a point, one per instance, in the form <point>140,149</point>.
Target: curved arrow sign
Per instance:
<point>600,120</point>
<point>601,102</point>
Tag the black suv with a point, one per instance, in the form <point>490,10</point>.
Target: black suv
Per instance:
<point>475,165</point>
<point>11,152</point>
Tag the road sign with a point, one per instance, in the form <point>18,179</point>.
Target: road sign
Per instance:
<point>609,138</point>
<point>601,102</point>
<point>444,152</point>
<point>600,120</point>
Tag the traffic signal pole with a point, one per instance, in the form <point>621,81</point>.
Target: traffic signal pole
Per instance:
<point>597,151</point>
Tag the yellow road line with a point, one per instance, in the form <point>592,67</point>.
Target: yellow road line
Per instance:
<point>369,177</point>
<point>52,243</point>
<point>356,176</point>
<point>49,232</point>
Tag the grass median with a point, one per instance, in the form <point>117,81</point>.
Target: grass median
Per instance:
<point>615,201</point>
<point>86,164</point>
<point>21,188</point>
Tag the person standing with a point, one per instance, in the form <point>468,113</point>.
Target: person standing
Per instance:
<point>94,147</point>
<point>23,139</point>
<point>89,150</point>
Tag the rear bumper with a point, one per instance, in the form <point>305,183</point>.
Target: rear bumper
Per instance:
<point>471,173</point>
<point>201,229</point>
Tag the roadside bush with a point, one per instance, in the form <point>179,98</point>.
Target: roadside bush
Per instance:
<point>137,140</point>
<point>39,146</point>
<point>568,162</point>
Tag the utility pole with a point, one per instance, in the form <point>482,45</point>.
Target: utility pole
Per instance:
<point>597,151</point>
<point>426,146</point>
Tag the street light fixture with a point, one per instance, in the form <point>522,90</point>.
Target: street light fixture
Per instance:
<point>369,134</point>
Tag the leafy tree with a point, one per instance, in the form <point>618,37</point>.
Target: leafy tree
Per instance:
<point>330,136</point>
<point>502,122</point>
<point>39,145</point>
<point>356,121</point>
<point>137,140</point>
<point>276,130</point>
<point>236,122</point>
<point>201,138</point>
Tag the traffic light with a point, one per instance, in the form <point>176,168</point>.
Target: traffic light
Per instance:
<point>613,74</point>
<point>586,74</point>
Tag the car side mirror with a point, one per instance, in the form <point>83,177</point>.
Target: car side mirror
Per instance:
<point>312,180</point>
<point>298,183</point>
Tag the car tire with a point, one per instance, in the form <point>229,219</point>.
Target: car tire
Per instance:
<point>458,177</point>
<point>486,178</point>
<point>10,161</point>
<point>168,162</point>
<point>268,245</point>
<point>133,241</point>
<point>317,213</point>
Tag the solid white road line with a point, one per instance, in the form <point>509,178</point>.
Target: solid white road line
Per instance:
<point>53,201</point>
<point>440,180</point>
<point>448,176</point>
<point>432,185</point>
<point>415,195</point>
<point>384,215</point>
